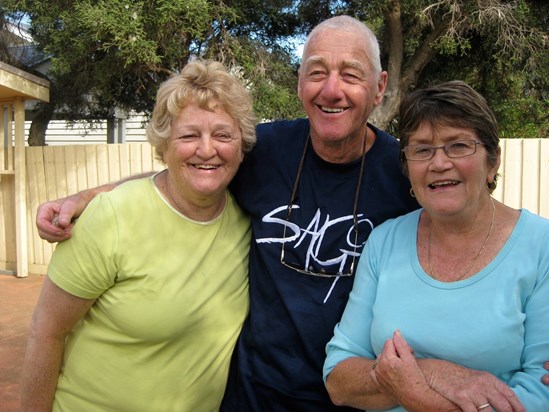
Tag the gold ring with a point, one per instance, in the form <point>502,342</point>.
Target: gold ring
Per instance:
<point>483,406</point>
<point>374,365</point>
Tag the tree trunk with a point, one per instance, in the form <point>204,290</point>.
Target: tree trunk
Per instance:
<point>39,125</point>
<point>387,110</point>
<point>403,75</point>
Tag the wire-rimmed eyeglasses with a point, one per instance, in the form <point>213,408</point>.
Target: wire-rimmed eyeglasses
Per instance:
<point>310,270</point>
<point>458,148</point>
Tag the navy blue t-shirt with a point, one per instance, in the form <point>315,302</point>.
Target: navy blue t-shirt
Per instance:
<point>277,365</point>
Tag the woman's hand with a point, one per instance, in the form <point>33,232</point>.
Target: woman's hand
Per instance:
<point>545,378</point>
<point>398,374</point>
<point>396,369</point>
<point>469,388</point>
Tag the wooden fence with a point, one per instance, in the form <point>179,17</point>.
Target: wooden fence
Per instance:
<point>58,171</point>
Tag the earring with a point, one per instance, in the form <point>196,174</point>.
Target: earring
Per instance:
<point>493,184</point>
<point>412,192</point>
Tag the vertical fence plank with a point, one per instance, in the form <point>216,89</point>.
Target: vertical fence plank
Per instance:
<point>91,166</point>
<point>9,137</point>
<point>8,251</point>
<point>544,178</point>
<point>36,184</point>
<point>81,169</point>
<point>498,193</point>
<point>114,162</point>
<point>102,165</point>
<point>512,174</point>
<point>124,163</point>
<point>530,174</point>
<point>136,162</point>
<point>146,158</point>
<point>4,147</point>
<point>71,167</point>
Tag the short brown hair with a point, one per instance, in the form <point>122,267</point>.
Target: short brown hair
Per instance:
<point>452,103</point>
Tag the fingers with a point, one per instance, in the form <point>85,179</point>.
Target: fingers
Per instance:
<point>54,235</point>
<point>503,399</point>
<point>401,346</point>
<point>53,225</point>
<point>487,389</point>
<point>545,378</point>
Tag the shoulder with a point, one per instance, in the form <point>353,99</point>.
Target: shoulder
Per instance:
<point>534,219</point>
<point>536,226</point>
<point>282,128</point>
<point>276,143</point>
<point>533,228</point>
<point>396,226</point>
<point>280,134</point>
<point>385,152</point>
<point>382,133</point>
<point>128,193</point>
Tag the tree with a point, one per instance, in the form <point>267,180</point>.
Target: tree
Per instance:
<point>479,41</point>
<point>109,54</point>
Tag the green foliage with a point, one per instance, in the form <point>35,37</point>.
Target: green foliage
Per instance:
<point>115,53</point>
<point>270,76</point>
<point>108,53</point>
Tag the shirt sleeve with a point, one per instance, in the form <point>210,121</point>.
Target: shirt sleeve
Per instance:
<point>85,265</point>
<point>526,383</point>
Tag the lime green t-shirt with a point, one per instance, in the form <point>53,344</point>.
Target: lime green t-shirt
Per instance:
<point>172,294</point>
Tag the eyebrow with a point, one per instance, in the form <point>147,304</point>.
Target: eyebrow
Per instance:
<point>314,60</point>
<point>353,64</point>
<point>446,139</point>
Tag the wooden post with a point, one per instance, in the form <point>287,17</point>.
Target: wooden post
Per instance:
<point>20,189</point>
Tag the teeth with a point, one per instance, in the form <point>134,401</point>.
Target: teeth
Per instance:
<point>331,109</point>
<point>444,183</point>
<point>208,167</point>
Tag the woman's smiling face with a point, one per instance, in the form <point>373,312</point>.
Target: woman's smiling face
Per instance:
<point>444,185</point>
<point>203,152</point>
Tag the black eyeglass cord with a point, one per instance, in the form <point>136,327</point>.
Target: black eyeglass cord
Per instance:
<point>357,190</point>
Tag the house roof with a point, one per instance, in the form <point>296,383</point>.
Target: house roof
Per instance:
<point>18,83</point>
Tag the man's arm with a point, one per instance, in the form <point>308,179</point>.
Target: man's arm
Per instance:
<point>54,218</point>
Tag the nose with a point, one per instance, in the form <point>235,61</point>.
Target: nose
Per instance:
<point>440,159</point>
<point>206,147</point>
<point>332,87</point>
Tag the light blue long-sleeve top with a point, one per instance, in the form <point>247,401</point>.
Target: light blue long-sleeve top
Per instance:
<point>496,320</point>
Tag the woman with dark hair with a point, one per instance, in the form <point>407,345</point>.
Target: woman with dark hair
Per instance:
<point>463,281</point>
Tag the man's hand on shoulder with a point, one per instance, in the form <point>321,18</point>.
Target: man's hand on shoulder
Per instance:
<point>54,219</point>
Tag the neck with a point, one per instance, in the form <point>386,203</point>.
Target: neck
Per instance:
<point>203,209</point>
<point>470,263</point>
<point>344,150</point>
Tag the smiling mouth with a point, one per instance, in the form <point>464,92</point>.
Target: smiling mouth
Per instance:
<point>444,183</point>
<point>332,109</point>
<point>205,167</point>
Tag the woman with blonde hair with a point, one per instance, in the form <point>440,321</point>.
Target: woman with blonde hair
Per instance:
<point>142,307</point>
